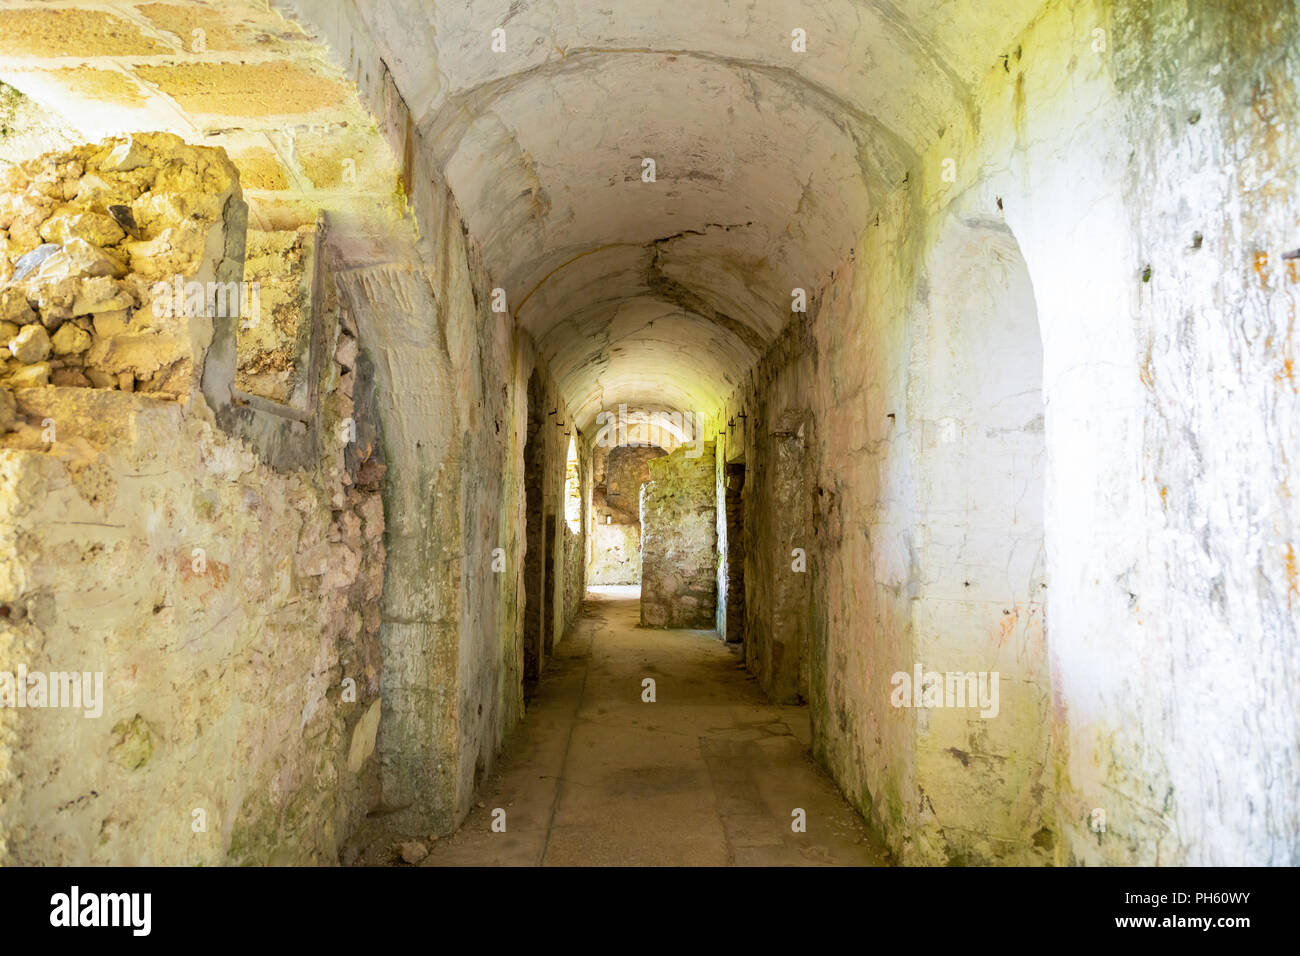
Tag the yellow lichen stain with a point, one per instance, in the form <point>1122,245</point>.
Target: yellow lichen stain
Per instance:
<point>1007,625</point>
<point>1260,265</point>
<point>1270,114</point>
<point>1287,373</point>
<point>1020,117</point>
<point>1164,495</point>
<point>1292,577</point>
<point>1145,374</point>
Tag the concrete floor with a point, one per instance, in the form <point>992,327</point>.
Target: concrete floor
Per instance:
<point>708,774</point>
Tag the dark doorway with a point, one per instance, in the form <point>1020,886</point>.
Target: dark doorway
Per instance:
<point>735,517</point>
<point>778,604</point>
<point>549,586</point>
<point>535,576</point>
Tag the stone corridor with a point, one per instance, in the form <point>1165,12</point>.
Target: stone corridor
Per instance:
<point>708,774</point>
<point>927,365</point>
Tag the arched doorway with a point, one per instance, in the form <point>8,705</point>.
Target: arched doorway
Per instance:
<point>980,680</point>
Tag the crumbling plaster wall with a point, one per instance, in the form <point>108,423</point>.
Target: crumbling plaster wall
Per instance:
<point>230,607</point>
<point>278,265</point>
<point>314,121</point>
<point>772,433</point>
<point>451,383</point>
<point>1139,170</point>
<point>446,386</point>
<point>92,242</point>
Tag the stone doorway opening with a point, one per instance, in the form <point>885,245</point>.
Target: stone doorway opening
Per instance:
<point>618,475</point>
<point>733,498</point>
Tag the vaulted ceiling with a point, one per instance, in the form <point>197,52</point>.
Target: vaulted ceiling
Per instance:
<point>767,160</point>
<point>662,294</point>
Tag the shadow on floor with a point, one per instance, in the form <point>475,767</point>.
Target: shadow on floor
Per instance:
<point>709,773</point>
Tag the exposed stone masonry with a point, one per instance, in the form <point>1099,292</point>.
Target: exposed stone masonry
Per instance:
<point>679,540</point>
<point>93,243</point>
<point>232,610</point>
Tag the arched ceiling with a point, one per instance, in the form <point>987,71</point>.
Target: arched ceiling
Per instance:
<point>659,294</point>
<point>767,161</point>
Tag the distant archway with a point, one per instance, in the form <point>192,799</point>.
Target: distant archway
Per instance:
<point>617,476</point>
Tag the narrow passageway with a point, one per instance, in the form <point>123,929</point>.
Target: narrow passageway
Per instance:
<point>923,372</point>
<point>708,774</point>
